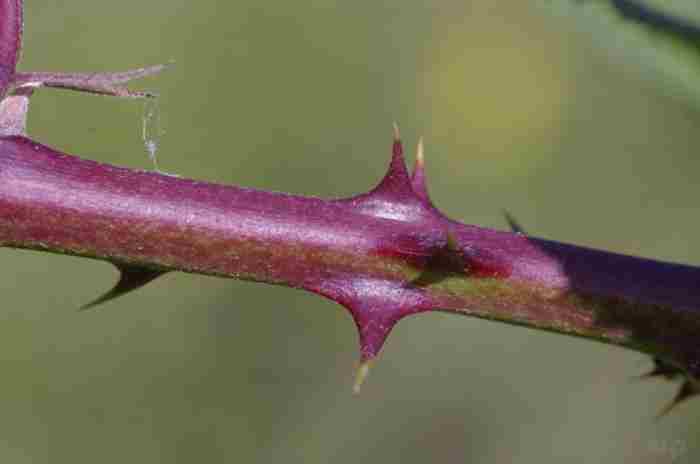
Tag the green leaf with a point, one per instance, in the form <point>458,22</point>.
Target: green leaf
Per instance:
<point>658,39</point>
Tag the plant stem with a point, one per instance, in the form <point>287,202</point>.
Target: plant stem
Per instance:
<point>384,255</point>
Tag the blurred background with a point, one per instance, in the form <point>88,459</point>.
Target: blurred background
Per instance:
<point>519,110</point>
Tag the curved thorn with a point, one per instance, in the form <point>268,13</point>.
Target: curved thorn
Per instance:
<point>687,390</point>
<point>131,278</point>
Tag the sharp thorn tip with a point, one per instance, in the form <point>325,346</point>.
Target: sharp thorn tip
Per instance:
<point>130,278</point>
<point>397,133</point>
<point>420,156</point>
<point>513,223</point>
<point>361,375</point>
<point>687,390</point>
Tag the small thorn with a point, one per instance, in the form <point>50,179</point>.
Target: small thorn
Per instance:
<point>130,278</point>
<point>418,181</point>
<point>397,133</point>
<point>513,223</point>
<point>361,375</point>
<point>687,390</point>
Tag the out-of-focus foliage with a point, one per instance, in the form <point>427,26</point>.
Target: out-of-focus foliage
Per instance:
<point>518,111</point>
<point>660,38</point>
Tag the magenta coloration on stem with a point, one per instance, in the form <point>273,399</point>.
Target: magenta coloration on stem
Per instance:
<point>10,41</point>
<point>16,88</point>
<point>384,255</point>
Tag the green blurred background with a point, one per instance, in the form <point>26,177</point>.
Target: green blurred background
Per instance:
<point>518,111</point>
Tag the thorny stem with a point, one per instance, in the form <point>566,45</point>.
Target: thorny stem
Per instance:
<point>384,255</point>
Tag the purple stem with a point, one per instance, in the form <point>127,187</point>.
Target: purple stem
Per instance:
<point>10,40</point>
<point>384,255</point>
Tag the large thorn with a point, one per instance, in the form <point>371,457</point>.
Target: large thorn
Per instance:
<point>394,197</point>
<point>376,305</point>
<point>396,182</point>
<point>131,278</point>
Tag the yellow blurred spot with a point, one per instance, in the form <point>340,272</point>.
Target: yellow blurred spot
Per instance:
<point>496,80</point>
<point>361,375</point>
<point>420,155</point>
